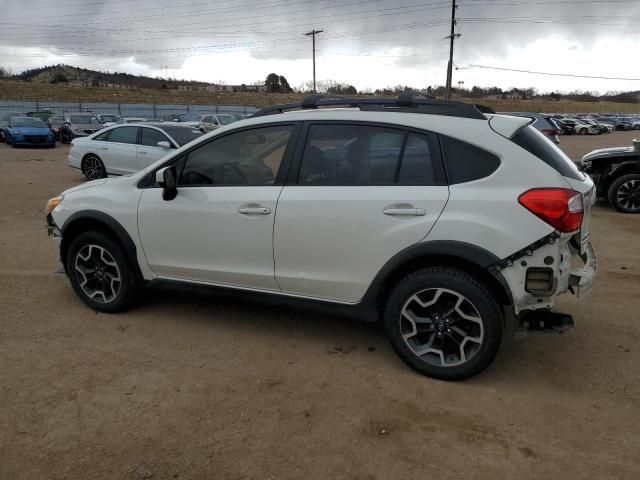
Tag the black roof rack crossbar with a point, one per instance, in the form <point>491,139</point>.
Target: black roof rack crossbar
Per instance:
<point>404,103</point>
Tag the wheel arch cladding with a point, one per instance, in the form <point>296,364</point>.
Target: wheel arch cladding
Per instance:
<point>93,220</point>
<point>475,260</point>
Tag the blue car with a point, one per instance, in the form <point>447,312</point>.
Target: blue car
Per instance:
<point>29,131</point>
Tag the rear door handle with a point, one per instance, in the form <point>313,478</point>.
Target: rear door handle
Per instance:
<point>404,211</point>
<point>104,148</point>
<point>254,210</point>
<point>142,152</point>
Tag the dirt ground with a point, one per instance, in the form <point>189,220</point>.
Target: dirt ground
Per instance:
<point>201,386</point>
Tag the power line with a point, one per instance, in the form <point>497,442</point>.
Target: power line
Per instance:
<point>555,74</point>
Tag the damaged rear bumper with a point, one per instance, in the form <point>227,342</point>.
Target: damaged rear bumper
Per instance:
<point>581,279</point>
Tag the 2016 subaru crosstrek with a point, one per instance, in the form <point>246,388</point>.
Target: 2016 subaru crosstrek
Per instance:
<point>451,226</point>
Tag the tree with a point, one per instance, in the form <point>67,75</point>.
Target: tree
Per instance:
<point>59,78</point>
<point>277,84</point>
<point>4,72</point>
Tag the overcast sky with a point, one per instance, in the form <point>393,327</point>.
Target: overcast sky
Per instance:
<point>368,43</point>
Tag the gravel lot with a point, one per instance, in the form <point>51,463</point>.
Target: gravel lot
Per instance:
<point>202,386</point>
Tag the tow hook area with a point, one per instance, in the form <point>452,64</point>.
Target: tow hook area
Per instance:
<point>540,322</point>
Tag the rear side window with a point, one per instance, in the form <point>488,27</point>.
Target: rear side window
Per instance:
<point>466,162</point>
<point>536,143</point>
<point>124,135</point>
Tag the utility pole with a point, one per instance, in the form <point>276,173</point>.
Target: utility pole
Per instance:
<point>313,34</point>
<point>451,38</point>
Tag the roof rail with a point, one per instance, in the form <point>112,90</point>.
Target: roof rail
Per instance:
<point>407,102</point>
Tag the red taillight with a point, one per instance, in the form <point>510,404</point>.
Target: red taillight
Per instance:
<point>561,208</point>
<point>550,131</point>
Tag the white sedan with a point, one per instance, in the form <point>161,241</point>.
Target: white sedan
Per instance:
<point>125,149</point>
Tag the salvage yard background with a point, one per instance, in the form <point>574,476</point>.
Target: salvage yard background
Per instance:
<point>198,385</point>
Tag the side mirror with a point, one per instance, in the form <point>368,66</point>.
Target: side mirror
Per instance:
<point>164,144</point>
<point>167,179</point>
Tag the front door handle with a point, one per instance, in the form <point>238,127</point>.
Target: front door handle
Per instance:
<point>254,210</point>
<point>142,152</point>
<point>404,211</point>
<point>104,148</point>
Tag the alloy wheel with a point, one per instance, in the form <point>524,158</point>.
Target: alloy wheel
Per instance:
<point>93,168</point>
<point>97,273</point>
<point>628,194</point>
<point>441,327</point>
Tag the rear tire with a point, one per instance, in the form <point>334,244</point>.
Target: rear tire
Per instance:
<point>584,131</point>
<point>444,323</point>
<point>624,193</point>
<point>100,272</point>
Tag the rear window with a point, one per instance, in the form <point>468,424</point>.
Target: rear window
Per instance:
<point>537,144</point>
<point>466,162</point>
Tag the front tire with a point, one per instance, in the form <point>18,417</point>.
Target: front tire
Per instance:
<point>444,323</point>
<point>584,131</point>
<point>624,193</point>
<point>93,168</point>
<point>100,273</point>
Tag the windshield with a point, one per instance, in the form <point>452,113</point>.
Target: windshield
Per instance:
<point>188,118</point>
<point>182,135</point>
<point>28,122</point>
<point>84,119</point>
<point>225,119</point>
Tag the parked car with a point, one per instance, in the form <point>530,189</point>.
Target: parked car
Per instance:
<point>616,123</point>
<point>566,127</point>
<point>544,123</point>
<point>186,118</point>
<point>124,149</point>
<point>634,122</point>
<point>209,123</point>
<point>43,115</point>
<point>350,209</point>
<point>29,131</point>
<point>616,173</point>
<point>581,127</point>
<point>108,119</point>
<point>55,124</point>
<point>602,127</point>
<point>4,121</point>
<point>77,125</point>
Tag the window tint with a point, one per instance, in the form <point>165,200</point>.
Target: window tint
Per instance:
<point>417,166</point>
<point>124,135</point>
<point>350,155</point>
<point>182,135</point>
<point>250,157</point>
<point>103,137</point>
<point>466,162</point>
<point>536,143</point>
<point>151,137</point>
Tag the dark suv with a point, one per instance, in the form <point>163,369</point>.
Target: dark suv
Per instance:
<point>79,124</point>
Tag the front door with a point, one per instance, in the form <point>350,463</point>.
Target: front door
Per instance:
<point>362,195</point>
<point>219,228</point>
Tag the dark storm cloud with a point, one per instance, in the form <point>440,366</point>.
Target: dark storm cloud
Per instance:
<point>163,34</point>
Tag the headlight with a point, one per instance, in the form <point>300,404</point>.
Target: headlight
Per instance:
<point>53,203</point>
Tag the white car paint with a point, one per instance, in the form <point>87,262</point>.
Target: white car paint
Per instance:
<point>118,158</point>
<point>329,242</point>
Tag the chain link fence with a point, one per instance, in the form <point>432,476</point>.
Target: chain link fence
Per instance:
<point>149,111</point>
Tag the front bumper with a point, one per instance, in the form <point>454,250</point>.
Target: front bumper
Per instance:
<point>52,229</point>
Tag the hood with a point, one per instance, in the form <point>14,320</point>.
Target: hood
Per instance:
<point>93,183</point>
<point>611,152</point>
<point>31,130</point>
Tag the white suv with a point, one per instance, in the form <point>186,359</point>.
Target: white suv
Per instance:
<point>449,225</point>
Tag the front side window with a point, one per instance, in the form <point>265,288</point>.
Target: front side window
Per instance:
<point>249,157</point>
<point>150,137</point>
<point>124,135</point>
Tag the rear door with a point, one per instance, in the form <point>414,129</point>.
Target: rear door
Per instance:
<point>360,194</point>
<point>148,150</point>
<point>119,151</point>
